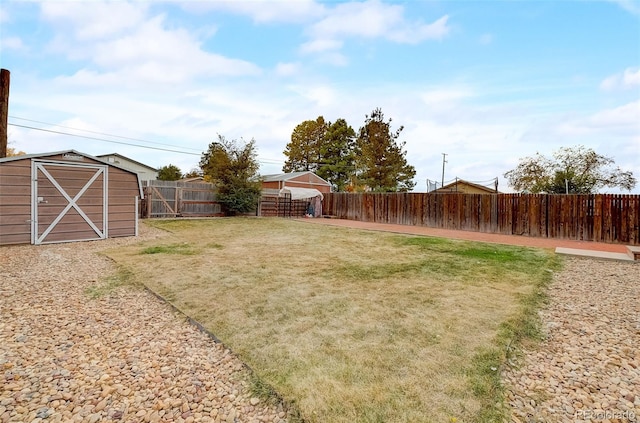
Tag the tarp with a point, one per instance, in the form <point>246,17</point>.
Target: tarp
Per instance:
<point>312,195</point>
<point>301,193</point>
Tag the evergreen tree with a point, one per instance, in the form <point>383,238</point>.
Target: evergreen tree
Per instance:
<point>233,168</point>
<point>193,173</point>
<point>380,160</point>
<point>303,151</point>
<point>337,155</point>
<point>169,173</point>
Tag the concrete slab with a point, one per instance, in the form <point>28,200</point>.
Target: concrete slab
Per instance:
<point>593,254</point>
<point>634,252</point>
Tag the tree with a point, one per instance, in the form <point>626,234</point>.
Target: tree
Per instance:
<point>380,160</point>
<point>578,170</point>
<point>337,155</point>
<point>303,151</point>
<point>11,152</point>
<point>193,173</point>
<point>169,173</point>
<point>233,168</point>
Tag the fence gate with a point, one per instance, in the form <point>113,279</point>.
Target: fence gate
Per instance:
<point>179,199</point>
<point>68,202</point>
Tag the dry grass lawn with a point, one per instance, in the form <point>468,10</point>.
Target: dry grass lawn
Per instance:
<point>349,325</point>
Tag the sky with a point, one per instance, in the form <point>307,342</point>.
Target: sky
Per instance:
<point>486,82</point>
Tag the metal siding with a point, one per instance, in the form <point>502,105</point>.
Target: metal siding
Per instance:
<point>15,202</point>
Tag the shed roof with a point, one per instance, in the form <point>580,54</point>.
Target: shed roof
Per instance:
<point>128,159</point>
<point>75,152</point>
<point>288,176</point>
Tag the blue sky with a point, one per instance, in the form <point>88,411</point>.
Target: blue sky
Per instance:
<point>486,82</point>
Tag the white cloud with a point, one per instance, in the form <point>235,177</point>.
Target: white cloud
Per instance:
<point>95,20</point>
<point>486,39</point>
<point>631,77</point>
<point>416,33</point>
<point>320,96</point>
<point>374,19</point>
<point>443,96</point>
<point>320,45</point>
<point>623,117</point>
<point>261,11</point>
<point>631,6</point>
<point>4,16</point>
<point>166,55</point>
<point>622,121</point>
<point>145,54</point>
<point>628,79</point>
<point>287,69</point>
<point>11,43</point>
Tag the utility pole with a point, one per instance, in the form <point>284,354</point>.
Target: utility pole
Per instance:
<point>4,111</point>
<point>444,157</point>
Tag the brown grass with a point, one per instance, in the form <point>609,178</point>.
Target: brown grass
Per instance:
<point>351,326</point>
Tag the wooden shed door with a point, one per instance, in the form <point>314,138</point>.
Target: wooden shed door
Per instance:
<point>69,202</point>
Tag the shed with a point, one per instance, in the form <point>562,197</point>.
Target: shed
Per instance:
<point>306,179</point>
<point>66,196</point>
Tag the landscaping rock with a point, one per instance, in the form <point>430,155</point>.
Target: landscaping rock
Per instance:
<point>73,348</point>
<point>588,367</point>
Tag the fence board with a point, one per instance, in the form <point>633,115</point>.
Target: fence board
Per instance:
<point>587,217</point>
<point>175,199</point>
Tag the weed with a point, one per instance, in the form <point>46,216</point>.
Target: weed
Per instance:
<point>184,249</point>
<point>122,277</point>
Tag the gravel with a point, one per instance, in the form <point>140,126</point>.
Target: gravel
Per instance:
<point>588,367</point>
<point>67,355</point>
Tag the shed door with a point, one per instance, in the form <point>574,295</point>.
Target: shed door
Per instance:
<point>69,202</point>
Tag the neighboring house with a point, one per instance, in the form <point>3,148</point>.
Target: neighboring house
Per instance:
<point>465,187</point>
<point>307,179</point>
<point>302,193</point>
<point>145,173</point>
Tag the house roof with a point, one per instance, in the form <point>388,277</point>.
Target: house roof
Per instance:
<point>463,182</point>
<point>101,156</point>
<point>288,176</point>
<point>194,179</point>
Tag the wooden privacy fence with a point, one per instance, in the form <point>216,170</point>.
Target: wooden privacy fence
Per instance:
<point>179,199</point>
<point>593,217</point>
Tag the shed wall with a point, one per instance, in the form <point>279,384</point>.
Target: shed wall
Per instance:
<point>15,202</point>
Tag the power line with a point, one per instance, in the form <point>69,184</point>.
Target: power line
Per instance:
<point>102,139</point>
<point>265,161</point>
<point>100,133</point>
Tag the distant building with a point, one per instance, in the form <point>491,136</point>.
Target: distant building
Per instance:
<point>306,179</point>
<point>145,173</point>
<point>196,179</point>
<point>465,187</point>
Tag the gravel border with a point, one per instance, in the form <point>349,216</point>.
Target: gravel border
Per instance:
<point>125,356</point>
<point>588,367</point>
